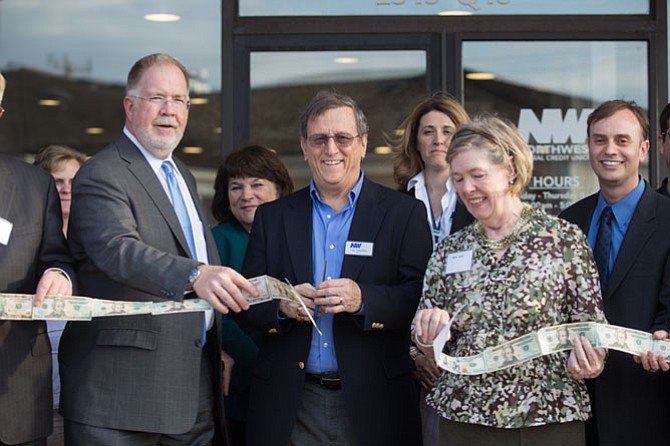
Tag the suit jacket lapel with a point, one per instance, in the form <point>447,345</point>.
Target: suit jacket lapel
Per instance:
<point>7,188</point>
<point>298,230</point>
<point>641,227</point>
<point>370,212</point>
<point>141,170</point>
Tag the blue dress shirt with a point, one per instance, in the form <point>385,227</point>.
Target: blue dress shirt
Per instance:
<point>329,236</point>
<point>623,213</point>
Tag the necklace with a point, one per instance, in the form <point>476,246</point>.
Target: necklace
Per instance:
<point>505,242</point>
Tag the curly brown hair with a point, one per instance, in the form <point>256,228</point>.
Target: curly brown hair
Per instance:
<point>253,160</point>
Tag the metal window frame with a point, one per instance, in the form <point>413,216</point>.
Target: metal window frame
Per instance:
<point>440,37</point>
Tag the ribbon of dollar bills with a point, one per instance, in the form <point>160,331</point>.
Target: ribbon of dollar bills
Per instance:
<point>547,340</point>
<point>81,308</point>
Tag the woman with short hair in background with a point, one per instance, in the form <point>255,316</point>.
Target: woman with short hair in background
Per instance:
<point>247,178</point>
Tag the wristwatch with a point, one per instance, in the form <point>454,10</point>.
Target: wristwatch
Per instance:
<point>193,276</point>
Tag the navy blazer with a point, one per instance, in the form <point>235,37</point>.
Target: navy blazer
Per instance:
<point>631,405</point>
<point>371,349</point>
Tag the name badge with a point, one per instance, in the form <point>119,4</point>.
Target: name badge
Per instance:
<point>5,230</point>
<point>358,248</point>
<point>457,262</point>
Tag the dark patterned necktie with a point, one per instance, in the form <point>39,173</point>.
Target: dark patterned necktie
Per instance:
<point>604,246</point>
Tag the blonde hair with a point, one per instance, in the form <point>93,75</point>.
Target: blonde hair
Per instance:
<point>503,144</point>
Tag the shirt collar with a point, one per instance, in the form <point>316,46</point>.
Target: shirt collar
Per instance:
<point>623,209</point>
<point>353,195</point>
<point>419,180</point>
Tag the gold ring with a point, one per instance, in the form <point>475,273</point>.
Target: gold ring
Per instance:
<point>341,300</point>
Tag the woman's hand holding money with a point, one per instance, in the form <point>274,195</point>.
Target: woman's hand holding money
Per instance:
<point>427,325</point>
<point>585,361</point>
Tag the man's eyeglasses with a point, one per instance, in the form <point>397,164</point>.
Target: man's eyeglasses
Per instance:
<point>2,112</point>
<point>663,134</point>
<point>160,101</point>
<point>342,140</point>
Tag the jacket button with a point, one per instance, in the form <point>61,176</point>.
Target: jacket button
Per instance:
<point>301,365</point>
<point>198,343</point>
<point>272,331</point>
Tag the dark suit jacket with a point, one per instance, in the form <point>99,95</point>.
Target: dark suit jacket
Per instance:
<point>138,373</point>
<point>371,349</point>
<point>29,200</point>
<point>632,406</point>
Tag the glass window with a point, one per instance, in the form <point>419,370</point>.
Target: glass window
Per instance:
<point>548,90</point>
<point>66,65</point>
<point>439,7</point>
<point>386,85</point>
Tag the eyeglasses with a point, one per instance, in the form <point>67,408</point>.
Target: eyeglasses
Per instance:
<point>663,134</point>
<point>342,140</point>
<point>160,101</point>
<point>2,112</point>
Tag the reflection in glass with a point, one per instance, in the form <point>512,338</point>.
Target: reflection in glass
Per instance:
<point>548,89</point>
<point>439,7</point>
<point>66,65</point>
<point>386,84</point>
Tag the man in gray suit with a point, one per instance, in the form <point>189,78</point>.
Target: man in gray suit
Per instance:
<point>137,233</point>
<point>33,259</point>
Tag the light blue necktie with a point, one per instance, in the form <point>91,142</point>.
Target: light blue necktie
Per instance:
<point>182,214</point>
<point>179,205</point>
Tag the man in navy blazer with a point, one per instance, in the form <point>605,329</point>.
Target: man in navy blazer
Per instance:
<point>630,402</point>
<point>358,252</point>
<point>33,260</point>
<point>144,379</point>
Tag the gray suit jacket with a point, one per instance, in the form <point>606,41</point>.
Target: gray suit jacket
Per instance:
<point>29,200</point>
<point>138,373</point>
<point>632,406</point>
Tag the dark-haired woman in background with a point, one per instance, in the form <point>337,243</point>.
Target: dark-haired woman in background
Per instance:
<point>247,178</point>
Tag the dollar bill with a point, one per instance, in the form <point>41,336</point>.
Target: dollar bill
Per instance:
<point>282,290</point>
<point>586,329</point>
<point>16,306</point>
<point>472,365</point>
<point>197,305</point>
<point>559,338</point>
<point>264,294</point>
<point>516,351</point>
<point>64,308</point>
<point>661,347</point>
<point>186,306</point>
<point>549,340</point>
<point>554,339</point>
<point>104,308</point>
<point>626,340</point>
